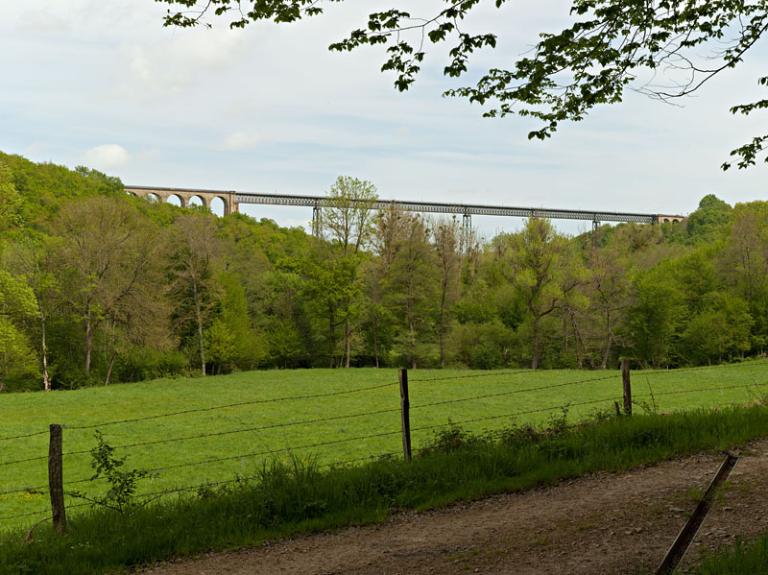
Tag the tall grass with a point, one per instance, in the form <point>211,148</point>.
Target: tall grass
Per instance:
<point>299,497</point>
<point>741,559</point>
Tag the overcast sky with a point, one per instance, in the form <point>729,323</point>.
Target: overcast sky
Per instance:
<point>269,109</point>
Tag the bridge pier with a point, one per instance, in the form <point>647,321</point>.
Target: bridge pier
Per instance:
<point>317,221</point>
<point>466,233</point>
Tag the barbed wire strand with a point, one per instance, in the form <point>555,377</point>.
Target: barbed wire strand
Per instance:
<point>701,389</point>
<point>229,405</point>
<point>722,366</point>
<point>14,437</point>
<point>41,458</point>
<point>271,451</point>
<point>242,479</point>
<point>474,420</point>
<point>513,392</point>
<point>258,428</point>
<point>340,417</point>
<point>472,376</point>
<point>515,414</point>
<point>23,515</point>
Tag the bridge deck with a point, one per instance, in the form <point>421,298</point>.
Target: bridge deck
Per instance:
<point>424,207</point>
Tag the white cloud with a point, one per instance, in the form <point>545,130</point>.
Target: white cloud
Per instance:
<point>41,22</point>
<point>163,65</point>
<point>106,157</point>
<point>244,141</point>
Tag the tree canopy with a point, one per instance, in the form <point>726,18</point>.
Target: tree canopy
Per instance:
<point>97,287</point>
<point>610,46</point>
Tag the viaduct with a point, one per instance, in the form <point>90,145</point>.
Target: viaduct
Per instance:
<point>232,200</point>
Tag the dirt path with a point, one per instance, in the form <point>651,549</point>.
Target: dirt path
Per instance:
<point>601,524</point>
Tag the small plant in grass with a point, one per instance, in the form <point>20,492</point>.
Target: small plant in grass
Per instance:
<point>520,435</point>
<point>447,440</point>
<point>120,495</point>
<point>650,407</point>
<point>558,422</point>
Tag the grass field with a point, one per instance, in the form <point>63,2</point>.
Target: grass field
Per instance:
<point>454,395</point>
<point>293,498</point>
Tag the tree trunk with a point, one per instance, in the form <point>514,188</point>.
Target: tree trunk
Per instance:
<point>376,343</point>
<point>88,343</point>
<point>331,337</point>
<point>535,347</point>
<point>109,369</point>
<point>441,335</point>
<point>608,341</point>
<point>44,350</point>
<point>347,343</point>
<point>199,318</point>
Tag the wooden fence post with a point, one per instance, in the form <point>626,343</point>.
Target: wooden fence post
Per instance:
<point>405,413</point>
<point>627,386</point>
<point>691,527</point>
<point>56,478</point>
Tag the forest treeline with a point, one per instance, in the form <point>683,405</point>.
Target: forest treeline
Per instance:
<point>97,286</point>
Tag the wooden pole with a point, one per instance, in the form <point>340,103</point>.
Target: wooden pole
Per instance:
<point>405,413</point>
<point>627,386</point>
<point>56,479</point>
<point>689,530</point>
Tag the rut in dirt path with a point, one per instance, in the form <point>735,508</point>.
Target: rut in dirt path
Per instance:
<point>617,524</point>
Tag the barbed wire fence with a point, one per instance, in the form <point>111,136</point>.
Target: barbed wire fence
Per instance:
<point>56,455</point>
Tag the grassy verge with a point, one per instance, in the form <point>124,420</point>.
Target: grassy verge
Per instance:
<point>299,497</point>
<point>491,399</point>
<point>741,559</point>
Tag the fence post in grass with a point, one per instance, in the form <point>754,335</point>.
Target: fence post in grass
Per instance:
<point>627,386</point>
<point>56,478</point>
<point>405,414</point>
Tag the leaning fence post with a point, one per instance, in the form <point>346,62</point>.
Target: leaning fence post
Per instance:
<point>405,413</point>
<point>627,386</point>
<point>684,539</point>
<point>56,478</point>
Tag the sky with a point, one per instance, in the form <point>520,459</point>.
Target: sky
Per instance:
<point>270,109</point>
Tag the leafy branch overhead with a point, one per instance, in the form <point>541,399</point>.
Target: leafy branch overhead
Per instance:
<point>610,46</point>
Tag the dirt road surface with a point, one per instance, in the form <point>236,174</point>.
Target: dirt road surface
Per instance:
<point>617,524</point>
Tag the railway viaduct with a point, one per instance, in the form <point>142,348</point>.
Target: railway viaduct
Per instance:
<point>232,201</point>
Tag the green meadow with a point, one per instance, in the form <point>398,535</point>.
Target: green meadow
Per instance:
<point>261,415</point>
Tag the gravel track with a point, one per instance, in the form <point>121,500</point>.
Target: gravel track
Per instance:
<point>606,523</point>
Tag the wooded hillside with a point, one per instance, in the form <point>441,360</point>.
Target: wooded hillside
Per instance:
<point>97,287</point>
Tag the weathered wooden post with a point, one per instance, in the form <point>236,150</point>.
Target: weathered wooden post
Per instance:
<point>684,539</point>
<point>627,386</point>
<point>405,414</point>
<point>56,478</point>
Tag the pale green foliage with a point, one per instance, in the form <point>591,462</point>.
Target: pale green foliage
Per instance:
<point>350,220</point>
<point>18,362</point>
<point>122,482</point>
<point>16,298</point>
<point>232,342</point>
<point>545,273</point>
<point>17,304</point>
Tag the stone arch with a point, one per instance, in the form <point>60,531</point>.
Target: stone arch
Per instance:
<point>197,200</point>
<point>176,200</point>
<point>218,206</point>
<point>153,198</point>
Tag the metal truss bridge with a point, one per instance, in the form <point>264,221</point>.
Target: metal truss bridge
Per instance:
<point>232,200</point>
